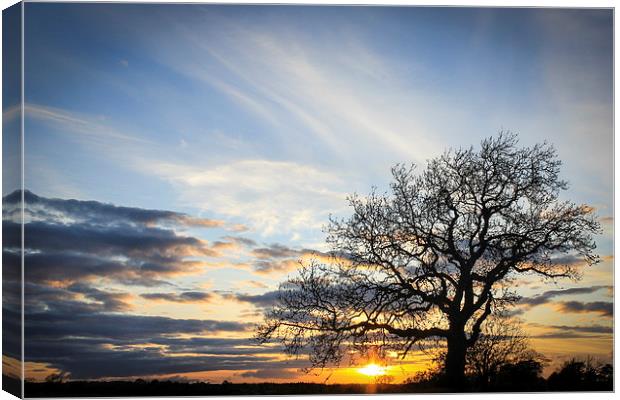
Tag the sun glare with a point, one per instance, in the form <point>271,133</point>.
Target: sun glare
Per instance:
<point>373,370</point>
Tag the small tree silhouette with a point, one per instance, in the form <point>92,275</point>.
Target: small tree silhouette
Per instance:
<point>435,258</point>
<point>59,377</point>
<point>582,375</point>
<point>502,346</point>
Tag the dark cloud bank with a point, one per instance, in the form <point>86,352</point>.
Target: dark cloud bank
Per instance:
<point>70,324</point>
<point>70,245</point>
<point>604,308</point>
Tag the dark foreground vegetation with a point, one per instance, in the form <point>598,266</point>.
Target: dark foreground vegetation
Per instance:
<point>519,377</point>
<point>11,385</point>
<point>526,376</point>
<point>168,388</point>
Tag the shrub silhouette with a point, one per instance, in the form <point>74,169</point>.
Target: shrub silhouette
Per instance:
<point>575,375</point>
<point>524,375</point>
<point>502,350</point>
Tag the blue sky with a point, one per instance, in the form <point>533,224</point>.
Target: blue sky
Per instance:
<point>322,88</point>
<point>268,117</point>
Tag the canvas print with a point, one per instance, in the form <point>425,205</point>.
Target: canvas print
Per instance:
<point>204,199</point>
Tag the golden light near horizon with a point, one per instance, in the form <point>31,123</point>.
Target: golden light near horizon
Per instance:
<point>373,370</point>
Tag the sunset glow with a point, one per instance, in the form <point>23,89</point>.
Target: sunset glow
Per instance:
<point>373,370</point>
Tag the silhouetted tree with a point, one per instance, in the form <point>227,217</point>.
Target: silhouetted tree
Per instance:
<point>433,259</point>
<point>499,359</point>
<point>431,377</point>
<point>606,376</point>
<point>59,377</point>
<point>502,345</point>
<point>581,375</point>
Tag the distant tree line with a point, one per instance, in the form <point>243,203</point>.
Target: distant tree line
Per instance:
<point>525,375</point>
<point>518,375</point>
<point>578,375</point>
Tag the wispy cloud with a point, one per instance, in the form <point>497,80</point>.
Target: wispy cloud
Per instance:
<point>95,128</point>
<point>581,96</point>
<point>339,94</point>
<point>604,308</point>
<point>595,331</point>
<point>273,196</point>
<point>585,329</point>
<point>547,296</point>
<point>183,297</point>
<point>77,211</point>
<point>263,300</point>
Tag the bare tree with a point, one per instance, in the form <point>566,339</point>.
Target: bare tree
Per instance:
<point>435,257</point>
<point>502,342</point>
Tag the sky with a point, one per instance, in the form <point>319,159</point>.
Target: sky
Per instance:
<point>181,160</point>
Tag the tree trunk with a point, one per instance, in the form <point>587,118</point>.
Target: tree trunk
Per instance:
<point>455,362</point>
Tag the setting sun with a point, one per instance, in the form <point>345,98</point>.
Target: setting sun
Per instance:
<point>373,370</point>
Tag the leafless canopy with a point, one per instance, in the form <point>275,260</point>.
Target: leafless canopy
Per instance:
<point>436,256</point>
